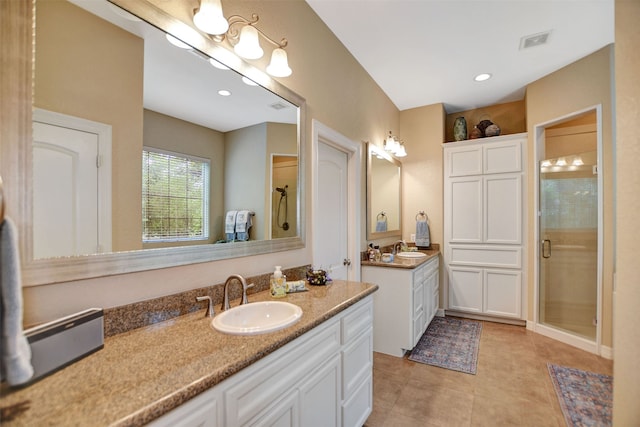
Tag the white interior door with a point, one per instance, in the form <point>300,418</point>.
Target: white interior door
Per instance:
<point>72,185</point>
<point>65,189</point>
<point>331,250</point>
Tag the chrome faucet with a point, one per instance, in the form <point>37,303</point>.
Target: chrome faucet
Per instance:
<point>395,249</point>
<point>243,282</point>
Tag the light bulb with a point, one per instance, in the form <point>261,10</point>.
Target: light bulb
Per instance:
<point>249,46</point>
<point>278,67</point>
<point>209,18</point>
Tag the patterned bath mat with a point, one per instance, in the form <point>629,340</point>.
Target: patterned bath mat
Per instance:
<point>586,398</point>
<point>450,343</point>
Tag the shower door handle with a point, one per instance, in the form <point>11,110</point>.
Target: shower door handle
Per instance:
<point>546,243</point>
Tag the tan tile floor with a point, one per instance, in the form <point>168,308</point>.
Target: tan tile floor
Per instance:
<point>511,387</point>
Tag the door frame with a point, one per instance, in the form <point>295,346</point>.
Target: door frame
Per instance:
<point>321,133</point>
<point>546,330</point>
<point>103,132</point>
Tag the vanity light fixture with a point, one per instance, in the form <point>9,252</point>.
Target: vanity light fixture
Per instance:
<point>242,34</point>
<point>394,146</point>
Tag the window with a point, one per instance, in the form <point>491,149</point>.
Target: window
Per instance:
<point>175,196</point>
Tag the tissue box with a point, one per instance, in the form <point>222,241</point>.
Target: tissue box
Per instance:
<point>57,344</point>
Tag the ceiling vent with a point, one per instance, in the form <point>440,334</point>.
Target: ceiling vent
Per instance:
<point>533,40</point>
<point>278,106</point>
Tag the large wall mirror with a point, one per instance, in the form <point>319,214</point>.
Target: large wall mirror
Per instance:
<point>384,189</point>
<point>151,148</point>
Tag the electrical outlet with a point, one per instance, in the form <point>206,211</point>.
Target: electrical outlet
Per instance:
<point>413,237</point>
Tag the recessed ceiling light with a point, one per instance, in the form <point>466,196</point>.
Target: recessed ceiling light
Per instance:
<point>482,77</point>
<point>178,43</point>
<point>248,81</point>
<point>218,65</point>
<point>223,92</point>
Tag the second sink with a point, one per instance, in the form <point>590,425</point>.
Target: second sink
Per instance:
<point>257,318</point>
<point>411,255</point>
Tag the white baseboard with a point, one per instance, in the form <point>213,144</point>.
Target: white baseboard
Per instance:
<point>440,312</point>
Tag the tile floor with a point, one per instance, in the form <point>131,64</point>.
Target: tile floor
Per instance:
<point>511,387</point>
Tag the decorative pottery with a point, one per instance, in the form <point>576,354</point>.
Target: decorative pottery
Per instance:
<point>483,125</point>
<point>475,133</point>
<point>460,129</point>
<point>492,130</point>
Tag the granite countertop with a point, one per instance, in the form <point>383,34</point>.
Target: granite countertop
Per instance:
<point>406,263</point>
<point>142,374</point>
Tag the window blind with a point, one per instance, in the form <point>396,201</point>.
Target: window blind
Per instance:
<point>175,196</point>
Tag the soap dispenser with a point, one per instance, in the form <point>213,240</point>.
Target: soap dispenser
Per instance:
<point>278,283</point>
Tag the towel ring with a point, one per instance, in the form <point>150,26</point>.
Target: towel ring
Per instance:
<point>1,202</point>
<point>381,214</point>
<point>421,214</point>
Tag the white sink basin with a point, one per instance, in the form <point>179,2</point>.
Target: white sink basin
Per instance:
<point>257,318</point>
<point>412,255</point>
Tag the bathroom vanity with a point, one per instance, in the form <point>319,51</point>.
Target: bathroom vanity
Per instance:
<point>406,301</point>
<point>182,372</point>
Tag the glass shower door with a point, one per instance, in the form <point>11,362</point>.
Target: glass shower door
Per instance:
<point>569,244</point>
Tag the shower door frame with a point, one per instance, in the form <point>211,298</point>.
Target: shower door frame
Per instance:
<point>539,150</point>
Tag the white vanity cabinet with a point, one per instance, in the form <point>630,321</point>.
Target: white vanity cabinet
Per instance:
<point>322,378</point>
<point>404,305</point>
<point>484,233</point>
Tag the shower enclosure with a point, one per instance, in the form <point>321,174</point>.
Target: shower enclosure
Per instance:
<point>569,243</point>
<point>569,210</point>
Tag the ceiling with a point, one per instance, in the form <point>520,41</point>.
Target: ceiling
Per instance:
<point>423,52</point>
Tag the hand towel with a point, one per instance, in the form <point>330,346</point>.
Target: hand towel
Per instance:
<point>381,225</point>
<point>230,225</point>
<point>422,233</point>
<point>15,351</point>
<point>243,224</point>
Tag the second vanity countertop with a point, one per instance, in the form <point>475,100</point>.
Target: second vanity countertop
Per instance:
<point>406,263</point>
<point>142,374</point>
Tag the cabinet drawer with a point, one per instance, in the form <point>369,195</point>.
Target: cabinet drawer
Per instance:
<point>357,408</point>
<point>355,323</point>
<point>486,256</point>
<point>357,362</point>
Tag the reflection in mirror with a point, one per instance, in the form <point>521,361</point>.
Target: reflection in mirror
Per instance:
<point>114,84</point>
<point>175,155</point>
<point>383,194</point>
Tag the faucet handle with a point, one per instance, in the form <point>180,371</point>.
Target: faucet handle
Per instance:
<point>244,293</point>
<point>210,312</point>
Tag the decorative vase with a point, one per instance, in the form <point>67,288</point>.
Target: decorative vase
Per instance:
<point>460,129</point>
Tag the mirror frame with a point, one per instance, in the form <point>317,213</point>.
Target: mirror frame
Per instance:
<point>373,235</point>
<point>55,270</point>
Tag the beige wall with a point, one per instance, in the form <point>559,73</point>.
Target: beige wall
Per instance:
<point>172,134</point>
<point>79,74</point>
<point>576,87</point>
<point>626,384</point>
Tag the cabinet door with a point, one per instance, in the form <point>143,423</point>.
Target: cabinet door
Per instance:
<point>463,161</point>
<point>502,295</point>
<point>320,396</point>
<point>503,209</point>
<point>465,210</point>
<point>465,289</point>
<point>503,157</point>
<point>284,413</point>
